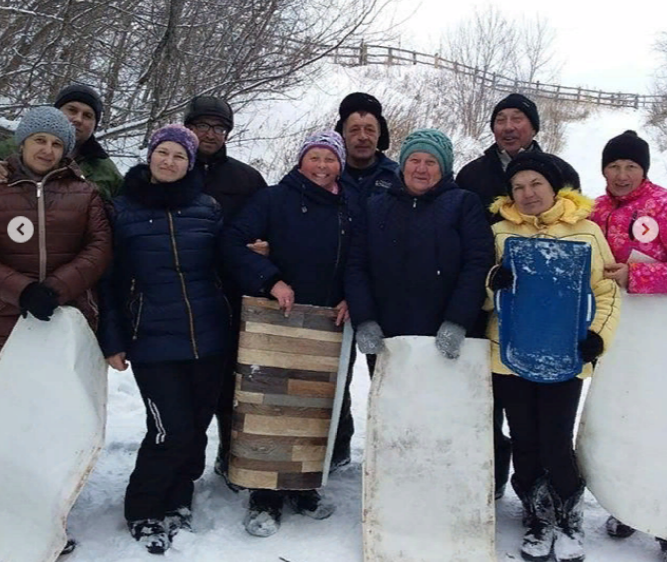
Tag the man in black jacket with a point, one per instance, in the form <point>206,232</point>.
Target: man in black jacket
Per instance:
<point>232,183</point>
<point>515,121</point>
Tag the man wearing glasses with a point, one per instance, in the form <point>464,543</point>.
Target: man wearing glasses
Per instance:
<point>232,183</point>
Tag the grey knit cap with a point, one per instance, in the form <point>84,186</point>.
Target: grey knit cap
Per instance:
<point>46,119</point>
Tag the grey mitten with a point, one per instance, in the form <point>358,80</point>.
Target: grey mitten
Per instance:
<point>449,339</point>
<point>370,338</point>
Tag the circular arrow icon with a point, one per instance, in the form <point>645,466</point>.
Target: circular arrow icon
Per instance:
<point>20,229</point>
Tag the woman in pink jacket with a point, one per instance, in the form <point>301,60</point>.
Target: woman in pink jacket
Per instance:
<point>633,217</point>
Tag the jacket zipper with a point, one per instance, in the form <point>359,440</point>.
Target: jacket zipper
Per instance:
<point>341,231</point>
<point>135,331</point>
<point>41,228</point>
<point>177,262</point>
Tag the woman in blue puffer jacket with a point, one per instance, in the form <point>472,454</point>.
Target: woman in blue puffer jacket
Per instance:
<point>163,309</point>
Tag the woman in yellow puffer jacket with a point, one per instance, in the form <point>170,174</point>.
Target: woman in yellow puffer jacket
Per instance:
<point>541,416</point>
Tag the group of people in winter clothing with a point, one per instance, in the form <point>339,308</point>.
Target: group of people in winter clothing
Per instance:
<point>400,248</point>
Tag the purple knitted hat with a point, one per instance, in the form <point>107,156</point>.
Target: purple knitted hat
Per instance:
<point>178,134</point>
<point>325,139</point>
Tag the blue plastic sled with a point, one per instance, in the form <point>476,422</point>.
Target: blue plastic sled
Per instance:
<point>548,310</point>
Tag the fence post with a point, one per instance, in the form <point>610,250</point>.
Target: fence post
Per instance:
<point>414,57</point>
<point>390,57</point>
<point>362,54</point>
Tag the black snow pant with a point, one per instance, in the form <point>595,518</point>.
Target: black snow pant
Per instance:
<point>502,445</point>
<point>346,422</point>
<point>180,399</point>
<point>541,418</point>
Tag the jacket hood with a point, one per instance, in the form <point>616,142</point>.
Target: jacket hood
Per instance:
<point>137,187</point>
<point>570,207</point>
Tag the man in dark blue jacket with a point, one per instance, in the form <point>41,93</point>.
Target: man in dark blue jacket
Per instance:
<point>367,172</point>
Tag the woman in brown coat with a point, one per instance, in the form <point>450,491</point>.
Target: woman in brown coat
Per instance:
<point>71,242</point>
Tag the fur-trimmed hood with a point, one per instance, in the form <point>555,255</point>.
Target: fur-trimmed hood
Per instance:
<point>570,207</point>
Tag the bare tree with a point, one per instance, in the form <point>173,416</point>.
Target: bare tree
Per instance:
<point>658,112</point>
<point>148,58</point>
<point>488,47</point>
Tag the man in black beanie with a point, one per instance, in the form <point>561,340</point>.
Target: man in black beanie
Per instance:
<point>367,171</point>
<point>231,183</point>
<point>514,121</point>
<point>83,108</point>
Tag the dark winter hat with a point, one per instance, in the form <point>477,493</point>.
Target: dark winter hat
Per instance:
<point>361,102</point>
<point>522,103</point>
<point>201,106</point>
<point>627,146</point>
<point>541,162</point>
<point>83,94</point>
<point>46,119</point>
<point>432,142</point>
<point>178,134</point>
<point>325,139</point>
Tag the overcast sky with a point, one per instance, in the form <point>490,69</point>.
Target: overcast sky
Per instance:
<point>603,45</point>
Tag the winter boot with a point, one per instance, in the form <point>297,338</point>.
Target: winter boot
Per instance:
<point>264,513</point>
<point>178,520</point>
<point>538,518</point>
<point>152,533</point>
<point>569,543</point>
<point>663,548</point>
<point>618,530</point>
<point>69,547</point>
<point>309,502</point>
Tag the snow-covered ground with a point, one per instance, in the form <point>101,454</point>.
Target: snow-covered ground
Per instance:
<point>97,518</point>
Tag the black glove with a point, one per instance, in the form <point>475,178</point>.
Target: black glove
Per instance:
<point>592,347</point>
<point>501,278</point>
<point>38,300</point>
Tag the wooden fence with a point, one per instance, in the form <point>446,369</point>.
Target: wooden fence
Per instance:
<point>366,54</point>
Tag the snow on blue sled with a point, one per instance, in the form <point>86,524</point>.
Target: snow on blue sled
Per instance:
<point>548,310</point>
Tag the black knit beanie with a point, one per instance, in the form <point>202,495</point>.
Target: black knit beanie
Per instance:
<point>361,102</point>
<point>627,146</point>
<point>82,94</point>
<point>540,162</point>
<point>522,103</point>
<point>201,106</point>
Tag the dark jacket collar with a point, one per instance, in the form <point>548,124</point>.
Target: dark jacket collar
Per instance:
<point>494,150</point>
<point>219,157</point>
<point>92,150</point>
<point>137,187</point>
<point>310,190</point>
<point>444,185</point>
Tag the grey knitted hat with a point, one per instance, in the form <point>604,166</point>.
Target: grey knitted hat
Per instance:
<point>46,119</point>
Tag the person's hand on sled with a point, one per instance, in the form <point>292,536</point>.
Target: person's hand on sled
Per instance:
<point>449,339</point>
<point>284,294</point>
<point>619,272</point>
<point>501,278</point>
<point>343,313</point>
<point>39,300</point>
<point>370,338</point>
<point>118,361</point>
<point>592,347</point>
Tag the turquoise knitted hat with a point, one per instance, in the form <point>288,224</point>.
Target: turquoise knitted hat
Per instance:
<point>433,142</point>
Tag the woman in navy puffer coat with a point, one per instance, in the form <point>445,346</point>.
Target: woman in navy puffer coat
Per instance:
<point>163,309</point>
<point>420,254</point>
